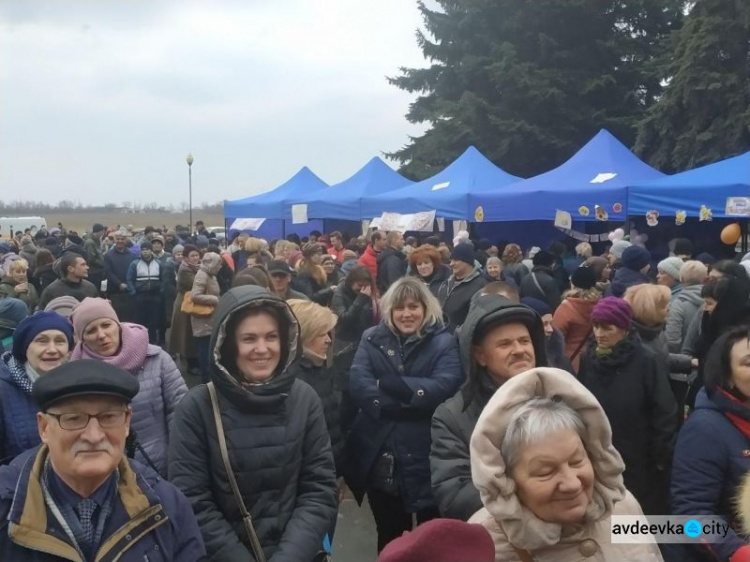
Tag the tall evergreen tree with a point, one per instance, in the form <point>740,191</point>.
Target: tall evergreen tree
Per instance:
<point>704,114</point>
<point>529,82</point>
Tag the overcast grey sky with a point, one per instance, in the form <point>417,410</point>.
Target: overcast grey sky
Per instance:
<point>101,100</point>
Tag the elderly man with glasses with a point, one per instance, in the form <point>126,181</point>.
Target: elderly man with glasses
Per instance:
<point>77,496</point>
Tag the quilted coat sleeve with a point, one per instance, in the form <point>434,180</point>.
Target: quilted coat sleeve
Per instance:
<point>173,387</point>
<point>363,382</point>
<point>191,473</point>
<point>450,468</point>
<point>317,504</point>
<point>431,390</point>
<point>699,476</point>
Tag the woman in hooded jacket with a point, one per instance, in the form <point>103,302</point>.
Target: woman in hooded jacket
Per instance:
<point>710,459</point>
<point>206,292</point>
<point>275,430</point>
<point>631,384</point>
<point>101,336</point>
<point>404,368</point>
<point>548,474</point>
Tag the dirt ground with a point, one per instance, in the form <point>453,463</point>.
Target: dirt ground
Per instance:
<point>82,221</point>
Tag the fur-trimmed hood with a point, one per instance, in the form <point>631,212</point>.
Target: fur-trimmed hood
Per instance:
<point>523,529</point>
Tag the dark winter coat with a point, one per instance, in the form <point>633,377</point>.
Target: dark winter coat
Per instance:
<point>321,378</point>
<point>550,292</point>
<point>556,352</point>
<point>516,271</point>
<point>710,461</point>
<point>116,265</point>
<point>355,315</point>
<point>397,387</point>
<point>150,520</point>
<point>18,429</point>
<point>391,267</point>
<point>623,279</point>
<point>306,284</point>
<point>655,338</point>
<point>436,279</point>
<point>634,391</point>
<point>454,420</point>
<point>43,277</point>
<point>278,445</point>
<point>455,297</point>
<point>65,288</point>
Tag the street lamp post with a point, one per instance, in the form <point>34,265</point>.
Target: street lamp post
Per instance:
<point>189,159</point>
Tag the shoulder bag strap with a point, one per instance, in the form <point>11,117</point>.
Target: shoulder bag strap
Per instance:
<point>246,517</point>
<point>580,345</point>
<point>538,286</point>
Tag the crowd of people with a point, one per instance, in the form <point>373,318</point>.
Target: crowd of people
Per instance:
<point>499,404</point>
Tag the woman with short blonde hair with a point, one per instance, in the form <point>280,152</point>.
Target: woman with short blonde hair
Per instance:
<point>685,304</point>
<point>403,369</point>
<point>16,284</point>
<point>649,303</point>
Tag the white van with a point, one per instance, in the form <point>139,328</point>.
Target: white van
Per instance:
<point>9,225</point>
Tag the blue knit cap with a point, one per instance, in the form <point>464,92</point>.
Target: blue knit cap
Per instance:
<point>32,325</point>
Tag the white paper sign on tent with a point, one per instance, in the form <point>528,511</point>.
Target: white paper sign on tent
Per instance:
<point>299,213</point>
<point>419,222</point>
<point>737,207</point>
<point>442,185</point>
<point>247,224</point>
<point>601,178</point>
<point>563,219</point>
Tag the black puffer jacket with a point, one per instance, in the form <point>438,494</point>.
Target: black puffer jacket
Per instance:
<point>278,446</point>
<point>391,267</point>
<point>321,378</point>
<point>354,312</point>
<point>454,420</point>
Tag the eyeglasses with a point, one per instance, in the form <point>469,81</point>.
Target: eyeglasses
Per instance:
<point>77,420</point>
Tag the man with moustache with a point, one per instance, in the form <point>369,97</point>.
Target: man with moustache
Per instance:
<point>500,339</point>
<point>77,497</point>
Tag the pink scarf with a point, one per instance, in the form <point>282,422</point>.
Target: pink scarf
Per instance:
<point>132,352</point>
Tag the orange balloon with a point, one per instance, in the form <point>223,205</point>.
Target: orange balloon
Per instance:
<point>731,233</point>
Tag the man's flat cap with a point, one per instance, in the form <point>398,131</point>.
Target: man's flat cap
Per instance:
<point>83,378</point>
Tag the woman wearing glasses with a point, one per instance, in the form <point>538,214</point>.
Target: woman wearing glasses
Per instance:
<point>101,336</point>
<point>41,342</point>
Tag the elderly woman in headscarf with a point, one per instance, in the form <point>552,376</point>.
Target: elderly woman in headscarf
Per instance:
<point>549,477</point>
<point>205,293</point>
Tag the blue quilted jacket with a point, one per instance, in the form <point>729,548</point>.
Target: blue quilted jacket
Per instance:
<point>18,431</point>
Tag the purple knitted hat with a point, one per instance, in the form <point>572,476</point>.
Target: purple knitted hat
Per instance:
<point>611,310</point>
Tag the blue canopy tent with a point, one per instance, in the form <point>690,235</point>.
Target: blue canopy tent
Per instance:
<point>343,200</point>
<point>447,192</point>
<point>709,185</point>
<point>271,206</point>
<point>598,174</point>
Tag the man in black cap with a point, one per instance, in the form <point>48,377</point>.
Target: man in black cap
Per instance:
<point>78,497</point>
<point>498,340</point>
<point>92,245</point>
<point>455,294</point>
<point>144,285</point>
<point>281,277</point>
